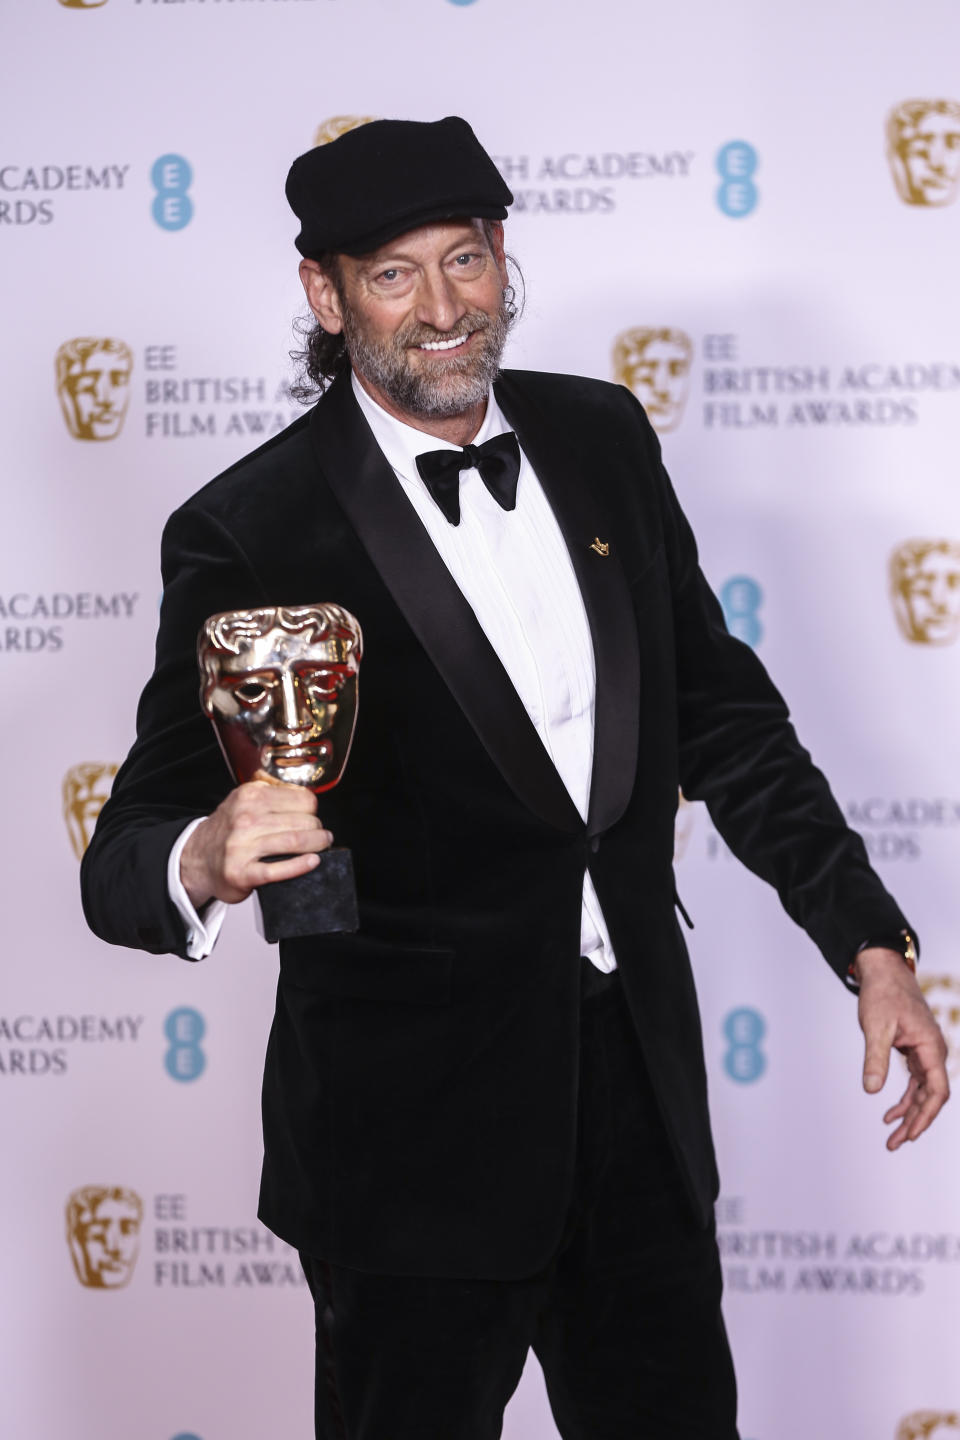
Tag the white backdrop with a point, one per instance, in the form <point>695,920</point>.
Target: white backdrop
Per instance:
<point>810,406</point>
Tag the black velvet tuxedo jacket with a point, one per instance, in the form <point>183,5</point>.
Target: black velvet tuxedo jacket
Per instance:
<point>419,1096</point>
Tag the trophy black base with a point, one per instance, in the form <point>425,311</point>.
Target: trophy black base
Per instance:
<point>322,902</point>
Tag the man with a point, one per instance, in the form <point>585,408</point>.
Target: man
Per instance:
<point>485,1112</point>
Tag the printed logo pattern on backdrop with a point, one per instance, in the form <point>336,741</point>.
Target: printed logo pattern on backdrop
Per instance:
<point>929,1425</point>
<point>741,599</point>
<point>171,176</point>
<point>86,788</point>
<point>923,148</point>
<point>925,589</point>
<point>744,1059</point>
<point>736,165</point>
<point>943,996</point>
<point>338,125</point>
<point>655,364</point>
<point>103,1233</point>
<point>185,1059</point>
<point>93,383</point>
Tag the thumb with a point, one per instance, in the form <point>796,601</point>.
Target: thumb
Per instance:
<point>877,1059</point>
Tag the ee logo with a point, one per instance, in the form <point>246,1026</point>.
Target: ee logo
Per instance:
<point>171,177</point>
<point>185,1059</point>
<point>744,1060</point>
<point>184,1436</point>
<point>741,598</point>
<point>736,165</point>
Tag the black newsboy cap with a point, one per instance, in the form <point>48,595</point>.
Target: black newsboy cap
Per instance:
<point>389,176</point>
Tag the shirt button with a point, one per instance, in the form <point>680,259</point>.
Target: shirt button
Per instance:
<point>595,844</point>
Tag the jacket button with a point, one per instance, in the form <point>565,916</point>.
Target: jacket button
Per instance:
<point>595,844</point>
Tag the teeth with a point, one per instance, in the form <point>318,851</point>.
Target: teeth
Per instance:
<point>444,344</point>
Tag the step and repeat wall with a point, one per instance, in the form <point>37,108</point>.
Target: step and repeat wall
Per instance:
<point>750,217</point>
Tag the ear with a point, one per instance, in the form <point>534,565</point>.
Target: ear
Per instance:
<point>321,296</point>
<point>496,247</point>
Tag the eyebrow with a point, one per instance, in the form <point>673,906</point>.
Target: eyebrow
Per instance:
<point>383,260</point>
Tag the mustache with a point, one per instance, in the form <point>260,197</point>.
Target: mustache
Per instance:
<point>419,334</point>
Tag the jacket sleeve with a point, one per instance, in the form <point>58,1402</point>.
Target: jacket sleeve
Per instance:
<point>175,771</point>
<point>740,754</point>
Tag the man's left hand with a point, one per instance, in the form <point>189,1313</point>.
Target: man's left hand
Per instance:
<point>894,1015</point>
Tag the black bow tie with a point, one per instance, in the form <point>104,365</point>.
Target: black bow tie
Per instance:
<point>498,461</point>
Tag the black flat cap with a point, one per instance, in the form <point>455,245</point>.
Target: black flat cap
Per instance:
<point>387,177</point>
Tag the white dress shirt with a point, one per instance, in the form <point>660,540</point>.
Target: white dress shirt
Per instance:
<point>514,570</point>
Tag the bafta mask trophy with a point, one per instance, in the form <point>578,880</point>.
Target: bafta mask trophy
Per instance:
<point>280,686</point>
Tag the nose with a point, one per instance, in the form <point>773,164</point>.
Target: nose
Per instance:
<point>439,304</point>
<point>102,387</point>
<point>292,717</point>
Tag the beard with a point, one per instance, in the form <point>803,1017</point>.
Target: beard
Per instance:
<point>448,385</point>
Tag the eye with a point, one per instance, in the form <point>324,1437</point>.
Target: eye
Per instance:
<point>250,692</point>
<point>388,276</point>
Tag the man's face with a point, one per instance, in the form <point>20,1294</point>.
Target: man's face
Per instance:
<point>105,1242</point>
<point>656,370</point>
<point>286,706</point>
<point>930,151</point>
<point>424,320</point>
<point>95,392</point>
<point>930,593</point>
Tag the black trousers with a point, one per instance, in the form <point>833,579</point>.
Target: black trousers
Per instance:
<point>625,1320</point>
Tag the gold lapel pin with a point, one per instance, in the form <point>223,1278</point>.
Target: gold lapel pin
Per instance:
<point>601,546</point>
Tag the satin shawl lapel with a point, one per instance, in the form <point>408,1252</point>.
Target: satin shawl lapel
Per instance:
<point>566,466</point>
<point>433,604</point>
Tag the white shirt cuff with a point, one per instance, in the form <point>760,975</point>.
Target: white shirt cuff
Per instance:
<point>201,934</point>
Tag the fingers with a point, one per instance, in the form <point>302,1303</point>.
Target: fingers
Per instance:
<point>262,872</point>
<point>244,865</point>
<point>925,1095</point>
<point>876,1064</point>
<point>224,855</point>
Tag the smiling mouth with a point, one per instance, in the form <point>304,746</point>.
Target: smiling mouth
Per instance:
<point>446,344</point>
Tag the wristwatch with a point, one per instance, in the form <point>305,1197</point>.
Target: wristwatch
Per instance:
<point>899,940</point>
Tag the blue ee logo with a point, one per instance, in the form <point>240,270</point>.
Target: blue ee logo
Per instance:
<point>184,1060</point>
<point>736,165</point>
<point>744,1060</point>
<point>741,599</point>
<point>185,1436</point>
<point>172,177</point>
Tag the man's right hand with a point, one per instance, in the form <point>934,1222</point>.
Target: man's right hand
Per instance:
<point>222,858</point>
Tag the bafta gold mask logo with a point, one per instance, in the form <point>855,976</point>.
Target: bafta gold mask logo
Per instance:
<point>683,827</point>
<point>929,1425</point>
<point>93,382</point>
<point>655,365</point>
<point>925,589</point>
<point>103,1233</point>
<point>85,788</point>
<point>338,125</point>
<point>923,147</point>
<point>83,4</point>
<point>942,994</point>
